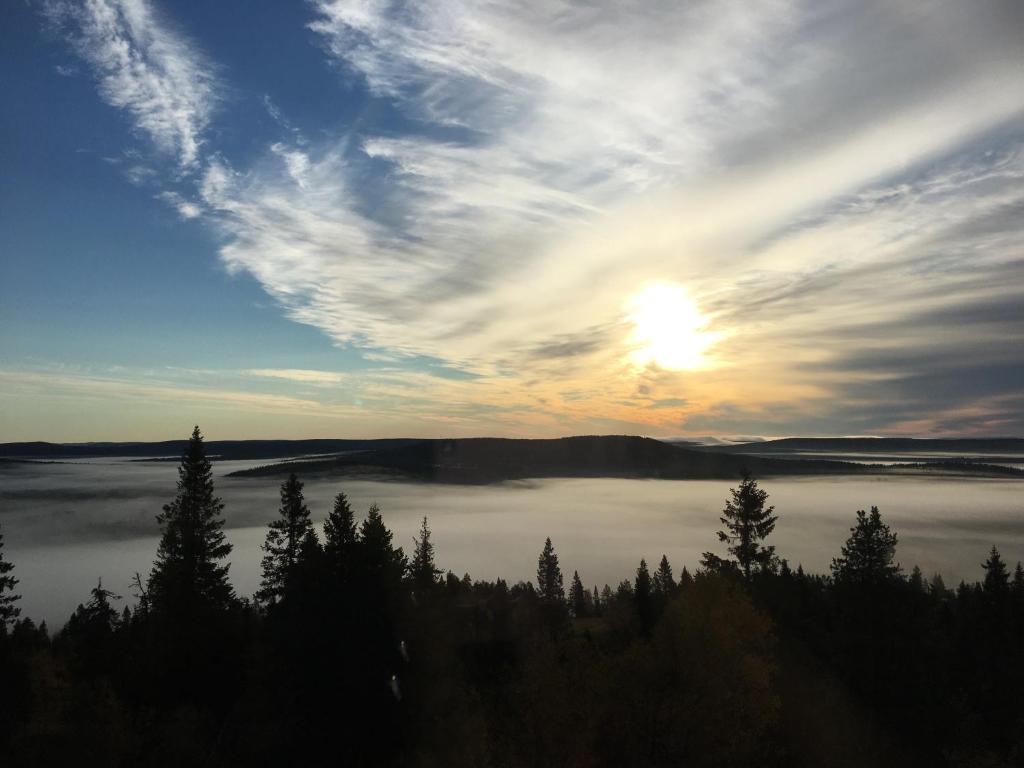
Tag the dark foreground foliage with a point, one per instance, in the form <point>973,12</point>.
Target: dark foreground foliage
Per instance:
<point>357,655</point>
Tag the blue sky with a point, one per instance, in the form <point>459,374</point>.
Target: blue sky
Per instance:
<point>339,218</point>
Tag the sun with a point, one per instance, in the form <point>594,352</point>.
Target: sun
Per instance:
<point>668,329</point>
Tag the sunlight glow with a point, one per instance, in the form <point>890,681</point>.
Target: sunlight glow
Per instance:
<point>669,329</point>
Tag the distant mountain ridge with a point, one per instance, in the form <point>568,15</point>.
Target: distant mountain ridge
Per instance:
<point>221,449</point>
<point>876,445</point>
<point>486,459</point>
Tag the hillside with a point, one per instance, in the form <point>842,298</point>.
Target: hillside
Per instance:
<point>483,460</point>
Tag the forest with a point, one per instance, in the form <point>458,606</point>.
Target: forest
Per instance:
<point>356,653</point>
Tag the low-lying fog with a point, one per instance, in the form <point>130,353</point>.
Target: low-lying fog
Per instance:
<point>66,525</point>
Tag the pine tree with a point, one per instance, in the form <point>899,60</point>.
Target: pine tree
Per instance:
<point>379,557</point>
<point>664,583</point>
<point>916,580</point>
<point>549,575</point>
<point>186,576</point>
<point>577,597</point>
<point>937,588</point>
<point>643,598</point>
<point>286,538</point>
<point>340,537</point>
<point>422,569</point>
<point>98,615</point>
<point>868,554</point>
<point>747,524</point>
<point>997,580</point>
<point>8,611</point>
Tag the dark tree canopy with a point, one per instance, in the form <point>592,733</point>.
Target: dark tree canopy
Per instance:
<point>379,556</point>
<point>340,536</point>
<point>288,538</point>
<point>868,554</point>
<point>577,597</point>
<point>8,611</point>
<point>664,583</point>
<point>997,578</point>
<point>187,576</point>
<point>643,598</point>
<point>549,575</point>
<point>747,524</point>
<point>422,569</point>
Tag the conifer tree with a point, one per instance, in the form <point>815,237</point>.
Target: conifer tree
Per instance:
<point>643,598</point>
<point>937,587</point>
<point>97,617</point>
<point>187,577</point>
<point>1017,585</point>
<point>379,556</point>
<point>997,580</point>
<point>340,536</point>
<point>664,583</point>
<point>287,537</point>
<point>8,611</point>
<point>916,580</point>
<point>868,554</point>
<point>422,569</point>
<point>595,601</point>
<point>577,597</point>
<point>549,575</point>
<point>747,524</point>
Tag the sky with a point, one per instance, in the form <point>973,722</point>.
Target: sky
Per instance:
<point>341,218</point>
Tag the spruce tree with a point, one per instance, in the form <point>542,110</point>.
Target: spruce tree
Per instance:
<point>187,577</point>
<point>340,536</point>
<point>997,579</point>
<point>868,554</point>
<point>747,524</point>
<point>379,557</point>
<point>577,597</point>
<point>643,598</point>
<point>8,611</point>
<point>1017,586</point>
<point>286,538</point>
<point>422,569</point>
<point>664,583</point>
<point>549,575</point>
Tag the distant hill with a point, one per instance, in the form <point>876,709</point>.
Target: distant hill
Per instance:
<point>879,445</point>
<point>218,449</point>
<point>484,460</point>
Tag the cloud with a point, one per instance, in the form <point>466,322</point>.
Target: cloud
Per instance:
<point>146,68</point>
<point>298,375</point>
<point>832,183</point>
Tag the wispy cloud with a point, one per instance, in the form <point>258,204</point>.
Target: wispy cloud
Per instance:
<point>825,179</point>
<point>145,67</point>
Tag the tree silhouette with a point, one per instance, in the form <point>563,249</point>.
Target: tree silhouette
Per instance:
<point>664,583</point>
<point>287,538</point>
<point>747,524</point>
<point>186,576</point>
<point>549,575</point>
<point>8,611</point>
<point>868,554</point>
<point>340,537</point>
<point>577,597</point>
<point>379,557</point>
<point>422,569</point>
<point>997,579</point>
<point>643,598</point>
